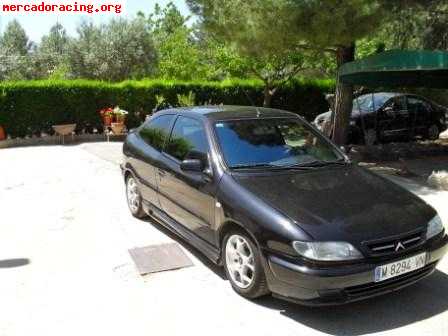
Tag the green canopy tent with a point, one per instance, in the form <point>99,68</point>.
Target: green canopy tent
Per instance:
<point>398,68</point>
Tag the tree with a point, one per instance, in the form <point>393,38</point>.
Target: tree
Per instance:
<point>83,53</point>
<point>410,24</point>
<point>51,55</point>
<point>225,61</point>
<point>334,26</point>
<point>119,50</point>
<point>15,49</point>
<point>255,31</point>
<point>435,36</point>
<point>179,56</point>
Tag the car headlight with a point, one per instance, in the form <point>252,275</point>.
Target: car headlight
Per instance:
<point>435,226</point>
<point>327,251</point>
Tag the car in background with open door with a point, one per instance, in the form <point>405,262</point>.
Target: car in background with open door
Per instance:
<point>389,116</point>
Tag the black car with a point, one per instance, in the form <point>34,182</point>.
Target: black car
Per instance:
<point>263,193</point>
<point>387,116</point>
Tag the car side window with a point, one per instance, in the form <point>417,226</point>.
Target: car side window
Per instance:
<point>188,140</point>
<point>416,105</point>
<point>398,103</point>
<point>157,131</point>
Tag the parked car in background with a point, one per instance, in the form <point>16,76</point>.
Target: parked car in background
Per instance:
<point>282,209</point>
<point>387,116</point>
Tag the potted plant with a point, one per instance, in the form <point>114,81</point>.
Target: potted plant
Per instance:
<point>2,133</point>
<point>119,117</point>
<point>107,115</point>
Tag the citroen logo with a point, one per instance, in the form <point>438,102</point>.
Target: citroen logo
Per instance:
<point>399,246</point>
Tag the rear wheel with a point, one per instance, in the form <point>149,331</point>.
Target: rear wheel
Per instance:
<point>433,132</point>
<point>242,263</point>
<point>134,198</point>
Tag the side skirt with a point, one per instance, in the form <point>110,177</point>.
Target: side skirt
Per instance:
<point>206,248</point>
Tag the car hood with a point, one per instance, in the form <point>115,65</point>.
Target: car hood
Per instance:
<point>341,203</point>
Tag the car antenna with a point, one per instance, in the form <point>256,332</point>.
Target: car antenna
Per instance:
<point>253,104</point>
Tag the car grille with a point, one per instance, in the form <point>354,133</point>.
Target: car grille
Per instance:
<point>389,246</point>
<point>394,283</point>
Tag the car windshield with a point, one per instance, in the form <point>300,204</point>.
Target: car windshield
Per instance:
<point>365,103</point>
<point>276,143</point>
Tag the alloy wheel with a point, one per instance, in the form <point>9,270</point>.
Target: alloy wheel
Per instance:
<point>240,261</point>
<point>132,195</point>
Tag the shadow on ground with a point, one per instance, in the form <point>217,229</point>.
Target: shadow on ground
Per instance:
<point>412,304</point>
<point>11,263</point>
<point>194,251</point>
<point>418,302</point>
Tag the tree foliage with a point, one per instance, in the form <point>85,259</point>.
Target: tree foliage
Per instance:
<point>52,54</point>
<point>179,56</point>
<point>119,50</point>
<point>257,32</point>
<point>15,49</point>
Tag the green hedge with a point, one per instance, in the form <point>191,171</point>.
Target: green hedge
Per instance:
<point>31,107</point>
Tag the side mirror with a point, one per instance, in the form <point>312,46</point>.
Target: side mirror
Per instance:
<point>193,165</point>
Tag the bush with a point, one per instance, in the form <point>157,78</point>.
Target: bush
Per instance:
<point>31,107</point>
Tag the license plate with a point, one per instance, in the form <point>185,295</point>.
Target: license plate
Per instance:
<point>400,267</point>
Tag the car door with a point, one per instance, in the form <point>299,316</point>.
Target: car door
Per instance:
<point>419,114</point>
<point>188,197</point>
<point>153,135</point>
<point>394,118</point>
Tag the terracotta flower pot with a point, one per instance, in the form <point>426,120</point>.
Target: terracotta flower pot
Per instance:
<point>2,133</point>
<point>117,128</point>
<point>107,120</point>
<point>120,118</point>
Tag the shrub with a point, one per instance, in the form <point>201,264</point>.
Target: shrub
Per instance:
<point>31,107</point>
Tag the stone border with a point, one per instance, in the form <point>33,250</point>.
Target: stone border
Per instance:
<point>439,180</point>
<point>57,140</point>
<point>398,151</point>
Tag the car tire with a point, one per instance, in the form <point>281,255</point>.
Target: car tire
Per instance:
<point>243,265</point>
<point>370,137</point>
<point>134,198</point>
<point>433,132</point>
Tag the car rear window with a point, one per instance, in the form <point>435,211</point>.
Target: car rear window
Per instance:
<point>157,130</point>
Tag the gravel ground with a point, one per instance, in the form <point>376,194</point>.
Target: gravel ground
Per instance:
<point>64,267</point>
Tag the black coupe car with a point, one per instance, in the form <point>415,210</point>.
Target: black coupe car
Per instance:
<point>389,116</point>
<point>263,193</point>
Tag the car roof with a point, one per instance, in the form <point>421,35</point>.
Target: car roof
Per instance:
<point>384,94</point>
<point>228,112</point>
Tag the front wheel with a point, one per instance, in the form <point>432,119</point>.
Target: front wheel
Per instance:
<point>242,263</point>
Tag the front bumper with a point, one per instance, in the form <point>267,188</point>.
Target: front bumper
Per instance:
<point>342,284</point>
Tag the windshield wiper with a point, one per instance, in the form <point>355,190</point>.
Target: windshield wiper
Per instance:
<point>254,165</point>
<point>318,163</point>
<point>303,165</point>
